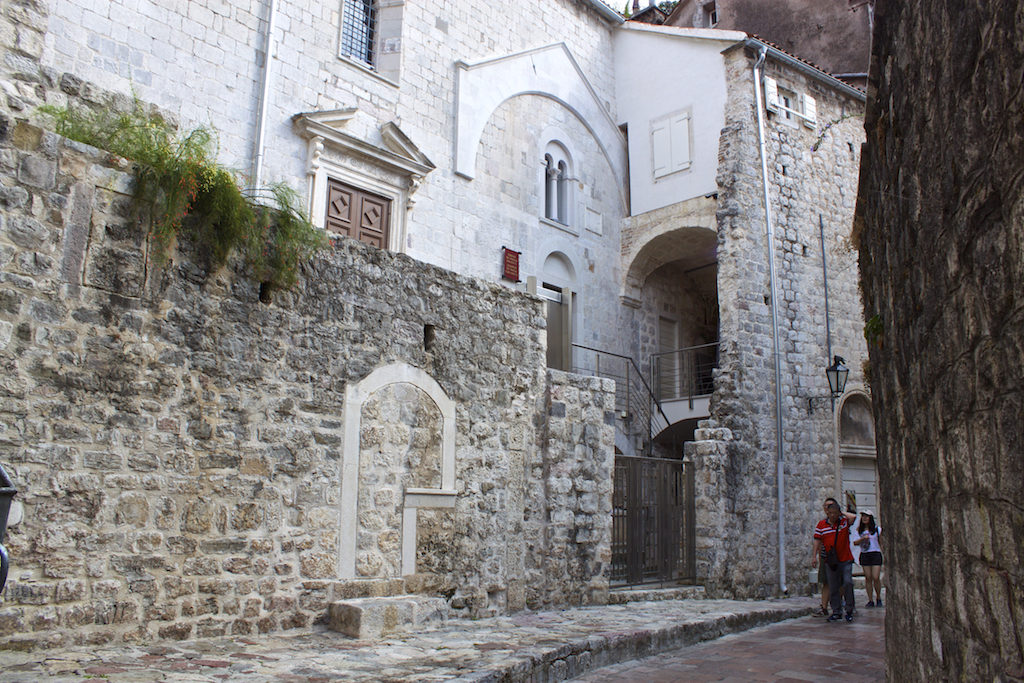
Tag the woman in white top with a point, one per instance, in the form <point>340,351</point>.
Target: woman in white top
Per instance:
<point>871,556</point>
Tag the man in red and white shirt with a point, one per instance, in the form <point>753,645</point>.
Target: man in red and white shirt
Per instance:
<point>832,540</point>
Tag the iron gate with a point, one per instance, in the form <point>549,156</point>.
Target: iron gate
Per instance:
<point>652,521</point>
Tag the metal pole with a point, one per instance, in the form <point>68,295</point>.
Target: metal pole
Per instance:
<point>828,328</point>
<point>780,451</point>
<point>261,119</point>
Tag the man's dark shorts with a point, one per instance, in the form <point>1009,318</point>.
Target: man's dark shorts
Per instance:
<point>822,579</point>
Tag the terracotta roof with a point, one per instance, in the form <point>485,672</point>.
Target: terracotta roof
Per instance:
<point>793,56</point>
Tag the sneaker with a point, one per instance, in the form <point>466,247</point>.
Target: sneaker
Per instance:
<point>849,617</point>
<point>835,617</point>
<point>879,603</point>
<point>821,612</point>
<point>870,604</point>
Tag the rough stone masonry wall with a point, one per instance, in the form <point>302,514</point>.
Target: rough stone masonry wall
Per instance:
<point>177,445</point>
<point>942,254</point>
<point>570,513</point>
<point>806,180</point>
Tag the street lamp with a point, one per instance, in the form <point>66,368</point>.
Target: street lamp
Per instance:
<point>837,374</point>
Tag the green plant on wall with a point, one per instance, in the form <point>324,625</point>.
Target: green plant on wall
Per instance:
<point>183,191</point>
<point>281,239</point>
<point>828,126</point>
<point>873,330</point>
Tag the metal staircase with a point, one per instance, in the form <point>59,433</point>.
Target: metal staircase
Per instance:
<point>639,416</point>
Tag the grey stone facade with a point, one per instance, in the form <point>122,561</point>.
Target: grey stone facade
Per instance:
<point>811,175</point>
<point>178,445</point>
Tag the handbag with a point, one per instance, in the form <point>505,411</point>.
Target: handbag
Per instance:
<point>832,558</point>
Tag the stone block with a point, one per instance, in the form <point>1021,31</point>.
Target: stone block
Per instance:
<point>371,618</point>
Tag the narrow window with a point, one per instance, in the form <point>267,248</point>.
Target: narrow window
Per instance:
<point>559,185</point>
<point>550,188</point>
<point>563,194</point>
<point>709,15</point>
<point>358,27</point>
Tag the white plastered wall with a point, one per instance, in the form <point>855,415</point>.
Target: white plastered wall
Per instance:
<point>661,71</point>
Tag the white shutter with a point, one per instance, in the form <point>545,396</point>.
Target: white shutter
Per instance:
<point>661,148</point>
<point>771,94</point>
<point>810,110</point>
<point>679,132</point>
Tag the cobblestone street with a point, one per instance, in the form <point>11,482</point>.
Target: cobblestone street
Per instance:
<point>804,649</point>
<point>765,640</point>
<point>530,646</point>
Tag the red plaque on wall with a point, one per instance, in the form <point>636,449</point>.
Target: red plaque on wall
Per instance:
<point>510,264</point>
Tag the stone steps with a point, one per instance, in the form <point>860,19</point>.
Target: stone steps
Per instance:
<point>621,596</point>
<point>373,618</point>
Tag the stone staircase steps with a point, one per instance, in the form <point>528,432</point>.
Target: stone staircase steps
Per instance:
<point>621,596</point>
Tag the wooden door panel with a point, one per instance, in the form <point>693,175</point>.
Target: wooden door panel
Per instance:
<point>357,213</point>
<point>339,208</point>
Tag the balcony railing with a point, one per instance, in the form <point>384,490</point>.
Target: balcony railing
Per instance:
<point>684,373</point>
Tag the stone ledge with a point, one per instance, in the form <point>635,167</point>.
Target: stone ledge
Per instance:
<point>372,618</point>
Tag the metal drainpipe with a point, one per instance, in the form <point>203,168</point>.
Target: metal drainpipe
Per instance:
<point>780,454</point>
<point>261,119</point>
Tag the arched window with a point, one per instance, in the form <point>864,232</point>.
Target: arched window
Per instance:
<point>558,184</point>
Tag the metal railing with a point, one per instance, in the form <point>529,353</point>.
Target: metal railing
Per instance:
<point>684,373</point>
<point>635,403</point>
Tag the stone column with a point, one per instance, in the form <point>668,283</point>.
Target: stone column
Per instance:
<point>709,454</point>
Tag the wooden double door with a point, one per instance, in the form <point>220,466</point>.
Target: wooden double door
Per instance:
<point>357,214</point>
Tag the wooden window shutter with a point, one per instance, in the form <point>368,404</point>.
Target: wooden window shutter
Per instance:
<point>679,132</point>
<point>810,109</point>
<point>771,94</point>
<point>661,149</point>
<point>670,144</point>
<point>358,214</point>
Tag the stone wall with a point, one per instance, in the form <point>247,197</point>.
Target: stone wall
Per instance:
<point>572,504</point>
<point>178,446</point>
<point>942,252</point>
<point>812,174</point>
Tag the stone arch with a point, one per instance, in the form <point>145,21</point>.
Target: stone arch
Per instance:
<point>692,245</point>
<point>558,269</point>
<point>549,71</point>
<point>356,394</point>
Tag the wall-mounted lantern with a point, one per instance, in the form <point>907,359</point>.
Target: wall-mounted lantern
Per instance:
<point>837,374</point>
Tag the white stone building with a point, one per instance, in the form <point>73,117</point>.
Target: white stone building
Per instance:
<point>613,169</point>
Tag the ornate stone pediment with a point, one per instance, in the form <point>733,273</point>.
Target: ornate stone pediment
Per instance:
<point>380,160</point>
<point>397,154</point>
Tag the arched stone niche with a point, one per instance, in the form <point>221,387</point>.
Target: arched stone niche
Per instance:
<point>399,456</point>
<point>857,457</point>
<point>856,424</point>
